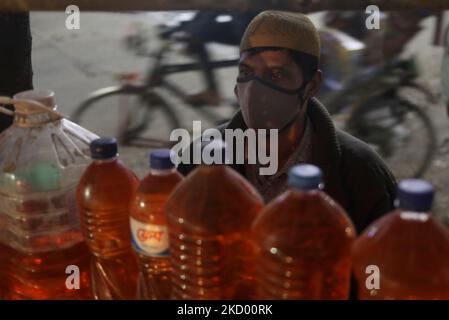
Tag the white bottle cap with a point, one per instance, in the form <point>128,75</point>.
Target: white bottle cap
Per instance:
<point>46,97</point>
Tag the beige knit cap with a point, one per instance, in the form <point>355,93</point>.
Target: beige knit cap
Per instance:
<point>282,29</point>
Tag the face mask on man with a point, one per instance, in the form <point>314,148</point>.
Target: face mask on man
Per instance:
<point>268,106</point>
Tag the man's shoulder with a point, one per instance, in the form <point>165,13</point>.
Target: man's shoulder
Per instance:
<point>361,162</point>
<point>222,127</point>
<point>371,185</point>
<point>357,150</point>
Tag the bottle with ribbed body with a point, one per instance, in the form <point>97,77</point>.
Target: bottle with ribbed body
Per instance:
<point>405,254</point>
<point>209,217</point>
<point>104,196</point>
<point>303,240</point>
<point>42,157</point>
<point>149,226</point>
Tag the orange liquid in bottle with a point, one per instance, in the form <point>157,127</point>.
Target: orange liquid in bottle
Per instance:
<point>4,286</point>
<point>42,251</point>
<point>405,254</point>
<point>36,267</point>
<point>149,226</point>
<point>43,276</point>
<point>104,196</point>
<point>209,217</point>
<point>303,240</point>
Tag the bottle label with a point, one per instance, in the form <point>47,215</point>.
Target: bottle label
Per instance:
<point>149,239</point>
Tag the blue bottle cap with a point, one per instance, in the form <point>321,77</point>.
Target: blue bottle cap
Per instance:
<point>103,148</point>
<point>415,195</point>
<point>305,177</point>
<point>160,159</point>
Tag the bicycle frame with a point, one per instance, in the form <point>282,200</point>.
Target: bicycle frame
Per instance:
<point>157,74</point>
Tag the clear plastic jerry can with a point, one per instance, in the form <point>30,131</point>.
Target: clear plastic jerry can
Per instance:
<point>42,157</point>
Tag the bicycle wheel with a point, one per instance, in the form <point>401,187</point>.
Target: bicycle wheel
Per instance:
<point>399,131</point>
<point>135,116</point>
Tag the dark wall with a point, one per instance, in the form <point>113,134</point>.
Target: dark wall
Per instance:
<point>16,72</point>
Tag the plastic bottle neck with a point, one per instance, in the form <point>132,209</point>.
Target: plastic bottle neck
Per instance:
<point>108,160</point>
<point>30,113</point>
<point>305,190</point>
<point>414,215</point>
<point>35,119</point>
<point>161,172</point>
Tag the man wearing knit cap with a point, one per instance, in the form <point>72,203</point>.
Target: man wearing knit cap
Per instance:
<point>276,84</point>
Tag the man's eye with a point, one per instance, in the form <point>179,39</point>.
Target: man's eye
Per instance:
<point>244,73</point>
<point>275,75</point>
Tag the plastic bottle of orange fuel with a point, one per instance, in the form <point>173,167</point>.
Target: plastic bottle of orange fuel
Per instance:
<point>405,254</point>
<point>42,156</point>
<point>149,226</point>
<point>303,240</point>
<point>209,217</point>
<point>104,196</point>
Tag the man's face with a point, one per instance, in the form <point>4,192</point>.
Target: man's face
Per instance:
<point>276,67</point>
<point>275,106</point>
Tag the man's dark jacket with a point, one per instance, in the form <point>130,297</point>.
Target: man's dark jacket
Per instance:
<point>354,175</point>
